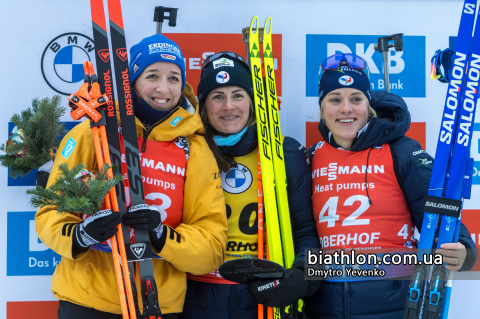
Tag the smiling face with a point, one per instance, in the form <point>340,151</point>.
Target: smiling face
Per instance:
<point>228,109</point>
<point>345,112</point>
<point>160,85</point>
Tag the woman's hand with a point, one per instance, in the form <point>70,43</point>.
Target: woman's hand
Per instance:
<point>454,255</point>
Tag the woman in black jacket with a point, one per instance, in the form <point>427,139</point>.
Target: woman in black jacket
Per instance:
<point>225,94</point>
<point>369,180</point>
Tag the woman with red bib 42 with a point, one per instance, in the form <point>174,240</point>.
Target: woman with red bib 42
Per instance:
<point>369,180</point>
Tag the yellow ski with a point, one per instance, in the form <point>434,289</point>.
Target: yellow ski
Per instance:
<point>277,150</point>
<point>278,155</point>
<point>264,147</point>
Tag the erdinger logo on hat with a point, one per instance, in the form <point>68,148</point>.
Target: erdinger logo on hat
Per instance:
<point>164,47</point>
<point>345,80</point>
<point>222,62</point>
<point>222,77</point>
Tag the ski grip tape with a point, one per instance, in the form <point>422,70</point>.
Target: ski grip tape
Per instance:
<point>138,251</point>
<point>442,206</point>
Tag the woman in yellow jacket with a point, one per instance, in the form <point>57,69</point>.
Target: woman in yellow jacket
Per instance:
<point>188,229</point>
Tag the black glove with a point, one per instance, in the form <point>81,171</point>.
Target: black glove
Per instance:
<point>281,292</point>
<point>145,217</point>
<point>96,228</point>
<point>43,173</point>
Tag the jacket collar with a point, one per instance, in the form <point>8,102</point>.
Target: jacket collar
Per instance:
<point>247,144</point>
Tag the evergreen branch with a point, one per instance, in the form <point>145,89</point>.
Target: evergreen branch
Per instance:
<point>71,194</point>
<point>37,130</point>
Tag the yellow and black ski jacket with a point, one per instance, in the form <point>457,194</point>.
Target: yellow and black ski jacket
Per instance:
<point>88,279</point>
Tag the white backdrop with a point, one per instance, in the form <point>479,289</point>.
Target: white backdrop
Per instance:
<point>27,27</point>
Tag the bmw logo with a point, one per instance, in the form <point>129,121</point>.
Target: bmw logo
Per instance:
<point>238,180</point>
<point>62,61</point>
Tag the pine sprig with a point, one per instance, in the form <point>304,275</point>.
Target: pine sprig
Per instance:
<point>38,130</point>
<point>69,194</point>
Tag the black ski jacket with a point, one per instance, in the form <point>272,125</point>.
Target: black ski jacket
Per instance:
<point>222,301</point>
<point>384,299</point>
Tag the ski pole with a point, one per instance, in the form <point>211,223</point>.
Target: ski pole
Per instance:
<point>160,14</point>
<point>260,225</point>
<point>92,93</point>
<point>121,245</point>
<point>383,46</point>
<point>270,309</point>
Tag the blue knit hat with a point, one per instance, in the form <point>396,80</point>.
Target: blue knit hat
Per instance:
<point>343,77</point>
<point>156,48</point>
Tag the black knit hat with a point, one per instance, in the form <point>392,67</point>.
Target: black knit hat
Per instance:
<point>224,69</point>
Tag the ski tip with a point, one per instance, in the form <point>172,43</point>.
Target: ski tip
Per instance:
<point>254,27</point>
<point>98,14</point>
<point>268,26</point>
<point>115,13</point>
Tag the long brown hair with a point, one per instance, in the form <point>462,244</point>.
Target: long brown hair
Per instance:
<point>224,161</point>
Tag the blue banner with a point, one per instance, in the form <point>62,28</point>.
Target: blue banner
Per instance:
<point>406,69</point>
<point>26,254</point>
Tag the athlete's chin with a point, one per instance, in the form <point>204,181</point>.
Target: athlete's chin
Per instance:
<point>166,107</point>
<point>229,129</point>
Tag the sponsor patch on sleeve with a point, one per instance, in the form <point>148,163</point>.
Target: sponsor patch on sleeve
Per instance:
<point>69,147</point>
<point>175,121</point>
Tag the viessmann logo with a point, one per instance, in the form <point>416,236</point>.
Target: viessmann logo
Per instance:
<point>333,169</point>
<point>62,61</point>
<point>406,68</point>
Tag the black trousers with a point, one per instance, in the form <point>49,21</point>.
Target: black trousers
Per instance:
<point>68,310</point>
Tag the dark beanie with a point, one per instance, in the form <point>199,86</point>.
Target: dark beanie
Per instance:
<point>224,71</point>
<point>343,77</point>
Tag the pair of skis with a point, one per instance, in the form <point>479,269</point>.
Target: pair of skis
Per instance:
<point>272,177</point>
<point>140,251</point>
<point>451,175</point>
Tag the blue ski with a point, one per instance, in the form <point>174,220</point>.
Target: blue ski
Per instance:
<point>454,139</point>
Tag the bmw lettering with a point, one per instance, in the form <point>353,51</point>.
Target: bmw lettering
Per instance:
<point>406,68</point>
<point>26,254</point>
<point>62,61</point>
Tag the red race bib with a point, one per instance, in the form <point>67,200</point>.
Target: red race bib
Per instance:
<point>345,218</point>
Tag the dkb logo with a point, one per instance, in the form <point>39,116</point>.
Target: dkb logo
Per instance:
<point>26,254</point>
<point>406,68</point>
